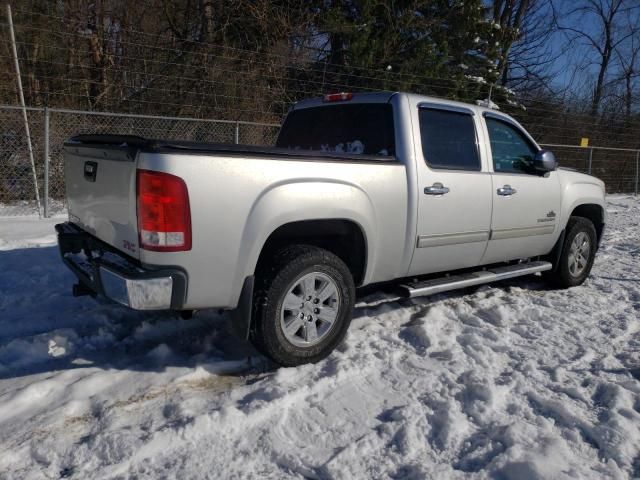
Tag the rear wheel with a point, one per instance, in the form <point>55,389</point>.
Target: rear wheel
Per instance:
<point>578,254</point>
<point>303,305</point>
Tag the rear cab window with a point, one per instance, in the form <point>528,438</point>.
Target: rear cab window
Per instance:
<point>355,129</point>
<point>449,139</point>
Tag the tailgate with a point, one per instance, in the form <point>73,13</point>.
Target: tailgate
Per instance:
<point>100,177</point>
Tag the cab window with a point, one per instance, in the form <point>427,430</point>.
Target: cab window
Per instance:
<point>449,140</point>
<point>356,128</point>
<point>511,151</point>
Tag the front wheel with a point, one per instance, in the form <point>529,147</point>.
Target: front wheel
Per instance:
<point>578,254</point>
<point>303,305</point>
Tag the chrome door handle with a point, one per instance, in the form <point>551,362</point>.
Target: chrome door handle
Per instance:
<point>436,189</point>
<point>506,191</point>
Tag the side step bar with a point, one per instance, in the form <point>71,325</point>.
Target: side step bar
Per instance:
<point>453,282</point>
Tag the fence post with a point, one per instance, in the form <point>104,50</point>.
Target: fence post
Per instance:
<point>237,135</point>
<point>637,170</point>
<point>45,147</point>
<point>590,160</point>
<point>24,107</point>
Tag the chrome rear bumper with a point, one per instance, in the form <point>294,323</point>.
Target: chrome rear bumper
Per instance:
<point>139,294</point>
<point>103,270</point>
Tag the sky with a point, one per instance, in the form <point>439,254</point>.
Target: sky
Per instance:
<point>577,62</point>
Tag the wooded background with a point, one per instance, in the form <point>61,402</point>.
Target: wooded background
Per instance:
<point>566,69</point>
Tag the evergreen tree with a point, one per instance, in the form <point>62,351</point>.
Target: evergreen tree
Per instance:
<point>441,47</point>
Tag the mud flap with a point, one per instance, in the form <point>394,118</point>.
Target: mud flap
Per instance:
<point>241,316</point>
<point>554,256</point>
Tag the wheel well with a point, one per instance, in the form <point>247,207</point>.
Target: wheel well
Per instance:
<point>343,238</point>
<point>591,212</point>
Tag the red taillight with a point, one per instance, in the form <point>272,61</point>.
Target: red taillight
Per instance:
<point>338,97</point>
<point>164,218</point>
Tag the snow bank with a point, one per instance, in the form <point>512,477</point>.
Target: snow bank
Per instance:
<point>25,232</point>
<point>511,381</point>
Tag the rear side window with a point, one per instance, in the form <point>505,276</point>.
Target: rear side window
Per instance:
<point>449,140</point>
<point>358,128</point>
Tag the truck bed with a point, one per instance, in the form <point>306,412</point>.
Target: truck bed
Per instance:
<point>238,196</point>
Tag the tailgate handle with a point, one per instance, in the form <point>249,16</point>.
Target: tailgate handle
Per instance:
<point>90,170</point>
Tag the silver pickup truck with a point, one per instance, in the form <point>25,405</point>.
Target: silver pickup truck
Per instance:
<point>360,189</point>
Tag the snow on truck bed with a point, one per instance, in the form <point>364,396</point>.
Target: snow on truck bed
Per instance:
<point>511,381</point>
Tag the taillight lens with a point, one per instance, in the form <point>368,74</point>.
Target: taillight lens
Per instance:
<point>164,218</point>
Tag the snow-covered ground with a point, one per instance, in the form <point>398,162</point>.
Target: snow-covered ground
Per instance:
<point>511,381</point>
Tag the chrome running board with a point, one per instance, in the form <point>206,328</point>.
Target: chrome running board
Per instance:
<point>453,282</point>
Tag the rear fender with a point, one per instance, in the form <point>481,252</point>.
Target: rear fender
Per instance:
<point>288,202</point>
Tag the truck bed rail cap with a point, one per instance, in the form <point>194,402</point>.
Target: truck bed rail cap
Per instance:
<point>110,139</point>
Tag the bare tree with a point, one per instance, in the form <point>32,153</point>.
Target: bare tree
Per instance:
<point>508,16</point>
<point>628,56</point>
<point>525,35</point>
<point>598,25</point>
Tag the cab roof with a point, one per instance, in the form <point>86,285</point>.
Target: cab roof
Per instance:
<point>413,98</point>
<point>385,97</point>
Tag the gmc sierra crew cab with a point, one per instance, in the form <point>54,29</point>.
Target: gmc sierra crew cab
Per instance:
<point>360,189</point>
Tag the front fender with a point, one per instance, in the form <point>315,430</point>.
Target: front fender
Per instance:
<point>579,193</point>
<point>296,200</point>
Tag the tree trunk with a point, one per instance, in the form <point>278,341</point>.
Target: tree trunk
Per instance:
<point>509,24</point>
<point>597,91</point>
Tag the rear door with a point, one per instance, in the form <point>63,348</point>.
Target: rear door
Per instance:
<point>454,189</point>
<point>526,205</point>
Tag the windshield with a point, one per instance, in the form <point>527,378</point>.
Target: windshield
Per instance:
<point>358,128</point>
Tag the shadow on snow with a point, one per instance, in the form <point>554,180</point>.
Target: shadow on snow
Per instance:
<point>44,328</point>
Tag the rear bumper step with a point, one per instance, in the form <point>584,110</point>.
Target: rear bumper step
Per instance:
<point>103,270</point>
<point>453,282</point>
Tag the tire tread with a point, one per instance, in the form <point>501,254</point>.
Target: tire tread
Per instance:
<point>271,277</point>
<point>560,276</point>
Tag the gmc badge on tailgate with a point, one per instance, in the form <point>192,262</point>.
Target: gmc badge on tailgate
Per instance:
<point>90,171</point>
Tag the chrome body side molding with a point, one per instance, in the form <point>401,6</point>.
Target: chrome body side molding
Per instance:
<point>452,239</point>
<point>521,232</point>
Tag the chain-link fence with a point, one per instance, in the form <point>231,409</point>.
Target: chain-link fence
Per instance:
<point>619,168</point>
<point>17,190</point>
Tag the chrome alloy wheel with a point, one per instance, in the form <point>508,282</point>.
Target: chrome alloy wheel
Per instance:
<point>309,309</point>
<point>579,254</point>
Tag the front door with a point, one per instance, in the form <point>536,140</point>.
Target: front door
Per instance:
<point>454,190</point>
<point>526,205</point>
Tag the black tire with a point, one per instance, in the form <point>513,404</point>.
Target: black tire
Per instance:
<point>563,276</point>
<point>274,279</point>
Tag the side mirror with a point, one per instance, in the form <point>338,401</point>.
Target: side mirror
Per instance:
<point>545,161</point>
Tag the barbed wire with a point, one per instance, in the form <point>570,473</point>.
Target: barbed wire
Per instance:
<point>344,73</point>
<point>325,83</point>
<point>287,58</point>
<point>578,120</point>
<point>125,65</point>
<point>147,72</point>
<point>200,42</point>
<point>226,47</point>
<point>572,131</point>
